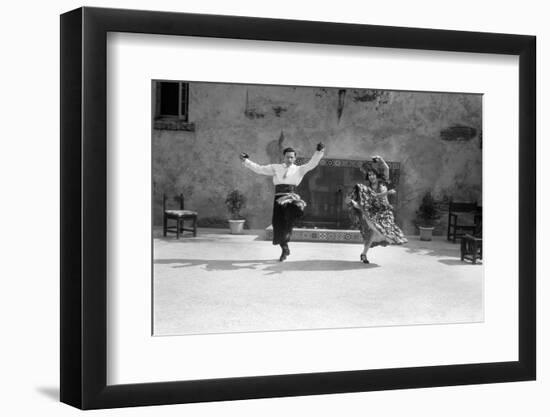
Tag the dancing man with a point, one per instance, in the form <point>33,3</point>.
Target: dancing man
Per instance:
<point>287,205</point>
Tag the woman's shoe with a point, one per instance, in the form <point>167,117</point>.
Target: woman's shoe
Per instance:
<point>364,259</point>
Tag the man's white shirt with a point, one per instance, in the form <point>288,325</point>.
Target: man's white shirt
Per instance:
<point>291,175</point>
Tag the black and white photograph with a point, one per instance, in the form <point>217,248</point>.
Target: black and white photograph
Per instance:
<point>266,209</point>
<point>279,207</point>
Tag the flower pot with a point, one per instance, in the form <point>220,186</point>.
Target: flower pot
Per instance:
<point>425,232</point>
<point>236,226</point>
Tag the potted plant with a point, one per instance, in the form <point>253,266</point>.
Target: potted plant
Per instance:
<point>427,217</point>
<point>234,202</point>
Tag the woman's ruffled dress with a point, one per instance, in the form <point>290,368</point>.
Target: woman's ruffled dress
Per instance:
<point>375,217</point>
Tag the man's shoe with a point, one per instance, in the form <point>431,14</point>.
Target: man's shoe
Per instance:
<point>284,254</point>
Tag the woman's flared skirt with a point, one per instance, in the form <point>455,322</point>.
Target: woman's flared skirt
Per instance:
<point>380,227</point>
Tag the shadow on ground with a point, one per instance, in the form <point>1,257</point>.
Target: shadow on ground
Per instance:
<point>458,262</point>
<point>269,266</point>
<point>442,249</point>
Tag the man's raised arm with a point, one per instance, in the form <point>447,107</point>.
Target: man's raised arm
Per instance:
<point>258,169</point>
<point>315,159</point>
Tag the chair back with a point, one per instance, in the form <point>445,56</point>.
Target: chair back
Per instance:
<point>460,207</point>
<point>176,198</point>
<point>473,208</point>
<point>478,221</point>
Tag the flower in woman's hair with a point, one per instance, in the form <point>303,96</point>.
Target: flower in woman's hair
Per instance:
<point>368,166</point>
<point>365,166</point>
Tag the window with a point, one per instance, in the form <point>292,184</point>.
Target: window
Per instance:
<point>173,99</point>
<point>172,106</point>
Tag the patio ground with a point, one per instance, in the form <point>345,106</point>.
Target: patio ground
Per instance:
<point>220,283</point>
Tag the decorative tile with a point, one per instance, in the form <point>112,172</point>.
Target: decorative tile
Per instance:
<point>320,235</point>
<point>395,167</point>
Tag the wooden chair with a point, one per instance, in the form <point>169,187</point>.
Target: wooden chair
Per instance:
<point>463,218</point>
<point>471,245</point>
<point>180,216</point>
<point>471,248</point>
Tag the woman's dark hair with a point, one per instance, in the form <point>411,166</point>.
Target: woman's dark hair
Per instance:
<point>367,167</point>
<point>368,170</point>
<point>381,177</point>
<point>287,150</point>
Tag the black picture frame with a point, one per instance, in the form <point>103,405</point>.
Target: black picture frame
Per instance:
<point>84,207</point>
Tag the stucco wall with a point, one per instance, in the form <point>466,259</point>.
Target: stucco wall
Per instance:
<point>435,136</point>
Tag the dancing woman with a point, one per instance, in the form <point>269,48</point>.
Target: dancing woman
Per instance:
<point>370,209</point>
<point>287,205</point>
